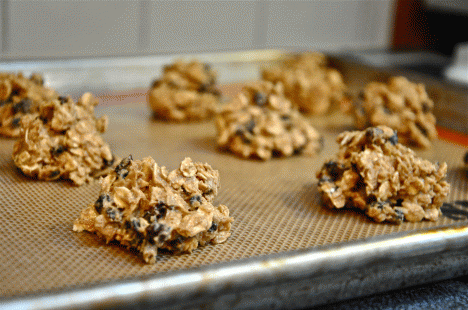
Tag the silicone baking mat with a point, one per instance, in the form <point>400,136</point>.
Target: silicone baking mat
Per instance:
<point>275,204</point>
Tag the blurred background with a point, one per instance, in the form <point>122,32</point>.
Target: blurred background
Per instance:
<point>67,28</point>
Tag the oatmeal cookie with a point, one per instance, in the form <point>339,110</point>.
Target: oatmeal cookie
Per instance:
<point>63,141</point>
<point>143,206</point>
<point>261,122</point>
<point>401,105</point>
<point>309,83</point>
<point>20,96</point>
<point>186,91</point>
<point>385,179</point>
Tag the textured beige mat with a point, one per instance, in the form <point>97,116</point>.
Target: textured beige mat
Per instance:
<point>275,204</point>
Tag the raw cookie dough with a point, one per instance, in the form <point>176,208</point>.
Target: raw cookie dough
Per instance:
<point>63,141</point>
<point>261,122</point>
<point>309,83</point>
<point>143,206</point>
<point>375,173</point>
<point>20,96</point>
<point>186,91</point>
<point>401,105</point>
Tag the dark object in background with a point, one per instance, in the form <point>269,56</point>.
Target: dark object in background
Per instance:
<point>428,27</point>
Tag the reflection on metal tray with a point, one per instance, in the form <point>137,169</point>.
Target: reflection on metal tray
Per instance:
<point>286,250</point>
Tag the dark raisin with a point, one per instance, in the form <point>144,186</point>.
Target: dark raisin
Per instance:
<point>161,206</point>
<point>111,213</point>
<point>62,99</point>
<point>44,119</point>
<point>15,122</point>
<point>259,99</point>
<point>380,204</point>
<point>466,158</point>
<point>285,117</point>
<point>127,161</point>
<point>24,106</point>
<point>56,151</point>
<point>194,199</point>
<point>399,202</point>
<point>361,95</point>
<point>277,153</point>
<point>15,92</point>
<point>177,241</point>
<point>208,191</point>
<point>399,216</point>
<point>135,223</point>
<point>422,129</point>
<point>154,229</point>
<point>99,204</point>
<point>394,139</point>
<point>121,167</point>
<point>109,163</point>
<point>213,227</point>
<point>297,150</point>
<point>161,210</point>
<point>250,126</point>
<point>333,169</point>
<point>54,174</point>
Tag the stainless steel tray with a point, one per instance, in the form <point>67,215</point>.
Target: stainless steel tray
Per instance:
<point>286,251</point>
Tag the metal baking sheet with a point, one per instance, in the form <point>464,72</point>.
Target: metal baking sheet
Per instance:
<point>286,250</point>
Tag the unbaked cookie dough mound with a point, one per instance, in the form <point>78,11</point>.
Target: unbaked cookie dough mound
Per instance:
<point>309,83</point>
<point>306,61</point>
<point>376,174</point>
<point>141,205</point>
<point>401,105</point>
<point>185,92</point>
<point>63,141</point>
<point>20,96</point>
<point>260,122</point>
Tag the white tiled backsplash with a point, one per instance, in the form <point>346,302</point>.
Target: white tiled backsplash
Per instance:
<point>65,28</point>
